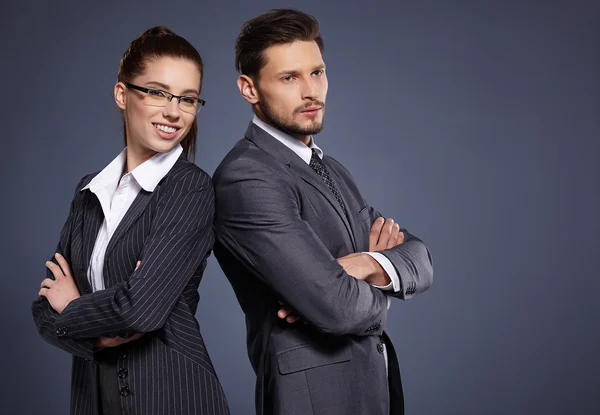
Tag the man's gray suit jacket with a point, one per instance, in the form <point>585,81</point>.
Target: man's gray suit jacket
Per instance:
<point>279,230</point>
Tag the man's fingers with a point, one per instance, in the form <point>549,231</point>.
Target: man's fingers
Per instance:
<point>284,312</point>
<point>64,265</point>
<point>376,228</point>
<point>43,291</point>
<point>375,232</point>
<point>386,233</point>
<point>394,237</point>
<point>55,269</point>
<point>400,238</point>
<point>288,314</point>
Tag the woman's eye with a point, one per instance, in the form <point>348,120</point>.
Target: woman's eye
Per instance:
<point>156,93</point>
<point>189,100</point>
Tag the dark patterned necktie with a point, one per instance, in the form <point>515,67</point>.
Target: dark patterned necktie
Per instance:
<point>321,169</point>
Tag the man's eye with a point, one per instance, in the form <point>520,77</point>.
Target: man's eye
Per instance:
<point>318,73</point>
<point>287,78</point>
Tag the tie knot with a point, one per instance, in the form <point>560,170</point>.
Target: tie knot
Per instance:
<point>315,160</point>
<point>315,155</point>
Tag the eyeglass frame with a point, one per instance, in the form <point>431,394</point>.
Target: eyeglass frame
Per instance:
<point>168,95</point>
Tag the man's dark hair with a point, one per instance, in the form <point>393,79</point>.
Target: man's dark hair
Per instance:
<point>277,26</point>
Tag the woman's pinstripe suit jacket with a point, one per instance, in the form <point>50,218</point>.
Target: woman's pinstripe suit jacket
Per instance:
<point>167,371</point>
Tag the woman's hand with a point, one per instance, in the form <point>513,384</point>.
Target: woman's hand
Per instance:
<point>62,290</point>
<point>103,342</point>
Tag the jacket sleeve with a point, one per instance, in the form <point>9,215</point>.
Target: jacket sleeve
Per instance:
<point>412,262</point>
<point>44,315</point>
<point>259,222</point>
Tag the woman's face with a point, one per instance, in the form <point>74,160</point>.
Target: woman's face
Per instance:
<point>155,129</point>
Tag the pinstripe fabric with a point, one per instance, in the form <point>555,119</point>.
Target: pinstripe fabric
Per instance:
<point>167,371</point>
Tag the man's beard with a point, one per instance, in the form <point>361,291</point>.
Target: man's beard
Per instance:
<point>291,128</point>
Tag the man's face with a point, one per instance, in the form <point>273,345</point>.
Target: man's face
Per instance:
<point>292,87</point>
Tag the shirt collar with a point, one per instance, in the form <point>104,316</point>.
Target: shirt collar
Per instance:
<point>147,174</point>
<point>110,175</point>
<point>303,151</point>
<point>152,171</point>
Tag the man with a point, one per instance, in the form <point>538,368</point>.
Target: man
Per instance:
<point>293,236</point>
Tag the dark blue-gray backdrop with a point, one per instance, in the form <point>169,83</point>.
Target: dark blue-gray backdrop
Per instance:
<point>476,124</point>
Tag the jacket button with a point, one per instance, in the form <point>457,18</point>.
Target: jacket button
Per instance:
<point>61,331</point>
<point>122,373</point>
<point>381,347</point>
<point>124,391</point>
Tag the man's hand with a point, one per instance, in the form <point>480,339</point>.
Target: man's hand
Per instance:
<point>62,290</point>
<point>385,234</point>
<point>288,313</point>
<point>363,267</point>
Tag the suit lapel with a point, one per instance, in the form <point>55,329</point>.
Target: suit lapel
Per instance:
<point>92,220</point>
<point>350,201</point>
<point>309,176</point>
<point>272,146</point>
<point>133,213</point>
<point>137,208</point>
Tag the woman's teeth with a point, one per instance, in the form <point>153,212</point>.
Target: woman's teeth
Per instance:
<point>165,128</point>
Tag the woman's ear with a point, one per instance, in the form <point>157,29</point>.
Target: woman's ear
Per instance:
<point>119,92</point>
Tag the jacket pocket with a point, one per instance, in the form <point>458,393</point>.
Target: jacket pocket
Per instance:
<point>305,357</point>
<point>363,214</point>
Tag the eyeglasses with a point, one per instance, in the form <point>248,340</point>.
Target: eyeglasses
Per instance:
<point>160,98</point>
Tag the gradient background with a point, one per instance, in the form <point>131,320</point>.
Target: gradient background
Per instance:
<point>476,124</point>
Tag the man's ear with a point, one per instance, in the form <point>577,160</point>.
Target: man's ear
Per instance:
<point>248,89</point>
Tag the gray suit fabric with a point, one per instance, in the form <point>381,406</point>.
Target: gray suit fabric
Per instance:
<point>279,230</point>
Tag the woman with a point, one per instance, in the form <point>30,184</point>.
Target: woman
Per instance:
<point>121,291</point>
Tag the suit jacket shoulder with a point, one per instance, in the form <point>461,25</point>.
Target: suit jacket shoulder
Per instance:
<point>187,175</point>
<point>243,155</point>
